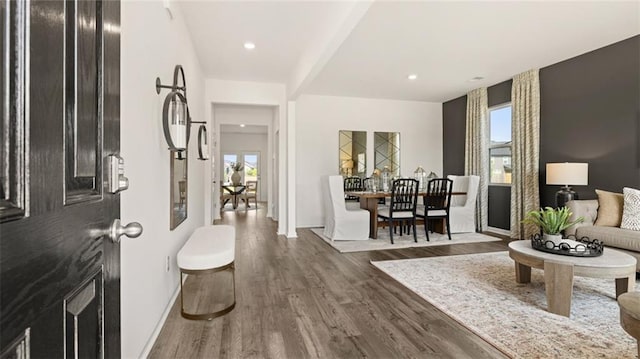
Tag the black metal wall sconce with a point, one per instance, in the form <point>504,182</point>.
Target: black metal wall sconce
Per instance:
<point>176,120</point>
<point>203,143</point>
<point>175,112</point>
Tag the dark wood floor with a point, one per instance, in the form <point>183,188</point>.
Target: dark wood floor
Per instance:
<point>300,298</point>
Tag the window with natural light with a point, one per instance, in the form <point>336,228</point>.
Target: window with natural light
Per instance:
<point>250,167</point>
<point>500,145</point>
<point>250,163</point>
<point>229,160</point>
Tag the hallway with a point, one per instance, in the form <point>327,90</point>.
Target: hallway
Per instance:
<point>299,298</point>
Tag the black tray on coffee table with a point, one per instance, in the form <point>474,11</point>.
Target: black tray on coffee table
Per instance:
<point>571,246</point>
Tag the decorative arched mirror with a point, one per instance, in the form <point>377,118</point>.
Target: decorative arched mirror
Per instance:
<point>176,124</point>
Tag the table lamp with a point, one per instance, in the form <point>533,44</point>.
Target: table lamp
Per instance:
<point>567,174</point>
<point>347,166</point>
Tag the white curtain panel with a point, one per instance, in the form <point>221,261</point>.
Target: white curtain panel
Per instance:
<point>525,136</point>
<point>476,159</point>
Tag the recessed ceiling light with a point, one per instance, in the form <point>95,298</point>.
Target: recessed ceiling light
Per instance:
<point>412,77</point>
<point>242,125</point>
<point>249,45</point>
<point>477,78</point>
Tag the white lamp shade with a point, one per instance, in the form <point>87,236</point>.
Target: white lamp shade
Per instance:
<point>568,173</point>
<point>347,164</point>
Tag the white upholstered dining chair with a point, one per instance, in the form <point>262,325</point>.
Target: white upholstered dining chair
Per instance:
<point>462,213</point>
<point>342,223</point>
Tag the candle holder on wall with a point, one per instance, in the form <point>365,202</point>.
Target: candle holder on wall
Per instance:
<point>203,143</point>
<point>176,119</point>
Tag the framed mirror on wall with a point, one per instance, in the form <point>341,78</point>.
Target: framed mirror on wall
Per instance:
<point>387,151</point>
<point>178,188</point>
<point>352,153</point>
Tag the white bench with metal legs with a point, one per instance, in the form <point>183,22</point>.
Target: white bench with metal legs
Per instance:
<point>210,249</point>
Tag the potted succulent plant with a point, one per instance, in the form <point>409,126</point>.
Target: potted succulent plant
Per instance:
<point>552,221</point>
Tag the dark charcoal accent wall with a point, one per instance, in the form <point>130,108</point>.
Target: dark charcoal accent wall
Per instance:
<point>454,114</point>
<point>499,94</point>
<point>590,112</point>
<point>499,211</point>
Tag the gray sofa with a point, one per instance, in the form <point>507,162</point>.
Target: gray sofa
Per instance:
<point>624,240</point>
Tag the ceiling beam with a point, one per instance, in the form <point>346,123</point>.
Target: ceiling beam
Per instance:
<point>319,52</point>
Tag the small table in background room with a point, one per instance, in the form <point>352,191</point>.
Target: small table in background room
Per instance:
<point>235,191</point>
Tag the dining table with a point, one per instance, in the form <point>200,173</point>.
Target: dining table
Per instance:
<point>369,201</point>
<point>235,191</point>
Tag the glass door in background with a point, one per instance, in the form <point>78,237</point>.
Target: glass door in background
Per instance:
<point>252,169</point>
<point>228,160</point>
<point>250,162</point>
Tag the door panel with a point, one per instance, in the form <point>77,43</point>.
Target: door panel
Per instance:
<point>83,328</point>
<point>59,272</point>
<point>83,121</point>
<point>13,126</point>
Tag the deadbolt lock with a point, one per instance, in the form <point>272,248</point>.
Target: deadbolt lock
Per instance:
<point>117,181</point>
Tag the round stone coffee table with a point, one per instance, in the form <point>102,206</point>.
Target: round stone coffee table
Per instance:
<point>559,271</point>
<point>630,315</point>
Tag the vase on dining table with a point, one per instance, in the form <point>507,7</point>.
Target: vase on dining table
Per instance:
<point>235,178</point>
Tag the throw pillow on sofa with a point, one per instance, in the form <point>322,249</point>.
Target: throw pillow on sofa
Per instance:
<point>610,207</point>
<point>631,212</point>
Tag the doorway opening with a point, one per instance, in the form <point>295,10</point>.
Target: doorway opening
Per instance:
<point>241,170</point>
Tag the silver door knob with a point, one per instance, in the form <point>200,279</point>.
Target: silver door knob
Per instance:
<point>131,230</point>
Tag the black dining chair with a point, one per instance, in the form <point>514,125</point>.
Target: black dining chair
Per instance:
<point>352,184</point>
<point>402,208</point>
<point>436,200</point>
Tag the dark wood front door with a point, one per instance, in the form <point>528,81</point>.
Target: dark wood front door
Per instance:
<point>59,271</point>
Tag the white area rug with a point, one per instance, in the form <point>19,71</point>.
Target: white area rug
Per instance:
<point>480,292</point>
<point>404,241</point>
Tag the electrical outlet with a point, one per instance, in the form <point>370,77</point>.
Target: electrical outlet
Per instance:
<point>168,263</point>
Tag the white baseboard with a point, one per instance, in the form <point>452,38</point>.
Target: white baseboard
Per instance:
<point>310,226</point>
<point>156,332</point>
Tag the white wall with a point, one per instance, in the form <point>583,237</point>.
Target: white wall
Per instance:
<point>152,45</point>
<point>318,120</point>
<point>240,143</point>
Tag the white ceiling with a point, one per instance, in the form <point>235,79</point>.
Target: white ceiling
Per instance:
<point>445,43</point>
<point>281,32</point>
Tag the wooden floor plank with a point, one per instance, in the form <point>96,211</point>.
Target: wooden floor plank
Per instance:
<point>300,298</point>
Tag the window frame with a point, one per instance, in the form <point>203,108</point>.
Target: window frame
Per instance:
<point>491,147</point>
